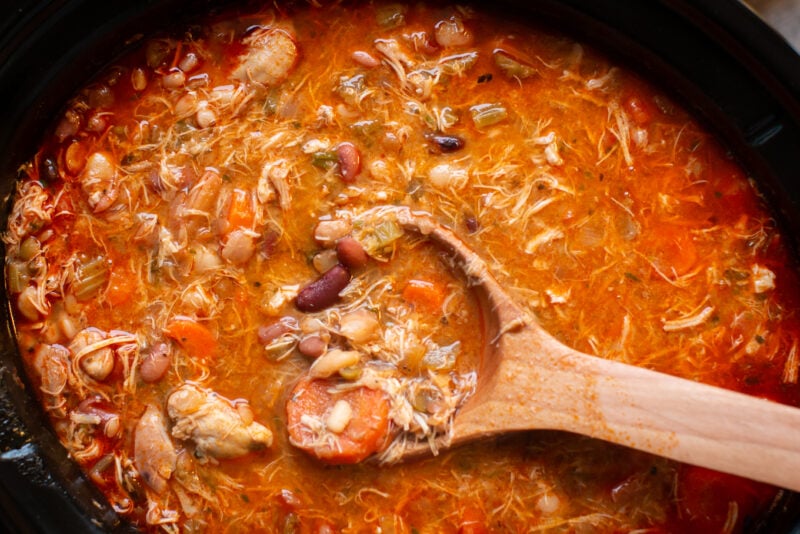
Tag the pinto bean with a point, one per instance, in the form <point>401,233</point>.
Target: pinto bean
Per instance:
<point>324,291</point>
<point>312,346</point>
<point>349,161</point>
<point>327,232</point>
<point>351,253</point>
<point>270,332</point>
<point>155,364</point>
<point>365,59</point>
<point>447,143</point>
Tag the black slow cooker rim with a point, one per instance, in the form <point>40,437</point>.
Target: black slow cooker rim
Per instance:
<point>40,490</point>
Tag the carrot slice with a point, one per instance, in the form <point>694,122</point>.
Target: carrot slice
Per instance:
<point>424,294</point>
<point>192,336</point>
<point>366,432</point>
<point>240,211</point>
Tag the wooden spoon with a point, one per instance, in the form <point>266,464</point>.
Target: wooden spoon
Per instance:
<point>530,380</point>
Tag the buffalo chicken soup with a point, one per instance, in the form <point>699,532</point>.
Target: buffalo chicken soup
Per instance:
<point>230,331</point>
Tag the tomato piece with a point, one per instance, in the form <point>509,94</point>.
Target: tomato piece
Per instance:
<point>706,497</point>
<point>425,295</point>
<point>121,287</point>
<point>240,211</point>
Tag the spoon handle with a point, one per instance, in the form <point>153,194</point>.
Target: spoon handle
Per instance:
<point>542,384</point>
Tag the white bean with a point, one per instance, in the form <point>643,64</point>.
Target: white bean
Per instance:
<point>332,361</point>
<point>327,232</point>
<point>358,326</point>
<point>340,416</point>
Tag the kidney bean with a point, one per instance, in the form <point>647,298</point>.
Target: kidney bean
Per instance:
<point>48,168</point>
<point>447,143</point>
<point>324,291</point>
<point>154,366</point>
<point>351,253</point>
<point>312,346</point>
<point>349,161</point>
<point>270,332</point>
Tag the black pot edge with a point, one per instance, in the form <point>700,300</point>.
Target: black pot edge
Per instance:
<point>50,503</point>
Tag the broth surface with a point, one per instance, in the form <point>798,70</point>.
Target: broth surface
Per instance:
<point>222,318</point>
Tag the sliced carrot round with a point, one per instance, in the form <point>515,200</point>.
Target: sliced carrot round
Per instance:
<point>308,411</point>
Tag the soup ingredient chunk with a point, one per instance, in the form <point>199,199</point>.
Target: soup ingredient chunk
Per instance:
<point>217,427</point>
<point>337,424</point>
<point>270,57</point>
<point>154,453</point>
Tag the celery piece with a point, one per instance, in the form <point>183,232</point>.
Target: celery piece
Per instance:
<point>484,115</point>
<point>511,66</point>
<point>29,248</point>
<point>324,159</point>
<point>381,237</point>
<point>458,64</point>
<point>352,372</point>
<point>90,277</point>
<point>17,277</point>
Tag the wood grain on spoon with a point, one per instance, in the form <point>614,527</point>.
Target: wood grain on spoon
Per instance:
<point>530,380</point>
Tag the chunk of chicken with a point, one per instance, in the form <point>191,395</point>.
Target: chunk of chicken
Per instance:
<point>51,363</point>
<point>99,181</point>
<point>153,452</point>
<point>271,55</point>
<point>217,427</point>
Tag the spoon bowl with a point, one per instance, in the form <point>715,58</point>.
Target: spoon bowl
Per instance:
<point>530,380</point>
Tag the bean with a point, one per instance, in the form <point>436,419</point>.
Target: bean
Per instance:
<point>155,364</point>
<point>365,59</point>
<point>358,326</point>
<point>98,364</point>
<point>48,169</point>
<point>327,232</point>
<point>324,291</point>
<point>351,253</point>
<point>333,360</point>
<point>324,260</point>
<point>340,416</point>
<point>349,161</point>
<point>269,333</point>
<point>452,33</point>
<point>312,346</point>
<point>471,222</point>
<point>138,79</point>
<point>447,143</point>
<point>189,62</point>
<point>173,79</point>
<point>101,96</point>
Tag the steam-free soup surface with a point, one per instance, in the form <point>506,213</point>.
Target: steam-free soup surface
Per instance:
<point>223,319</point>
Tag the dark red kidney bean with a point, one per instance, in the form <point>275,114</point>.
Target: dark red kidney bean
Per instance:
<point>270,332</point>
<point>471,223</point>
<point>269,243</point>
<point>351,253</point>
<point>154,366</point>
<point>48,168</point>
<point>349,161</point>
<point>324,291</point>
<point>448,143</point>
<point>101,96</point>
<point>312,346</point>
